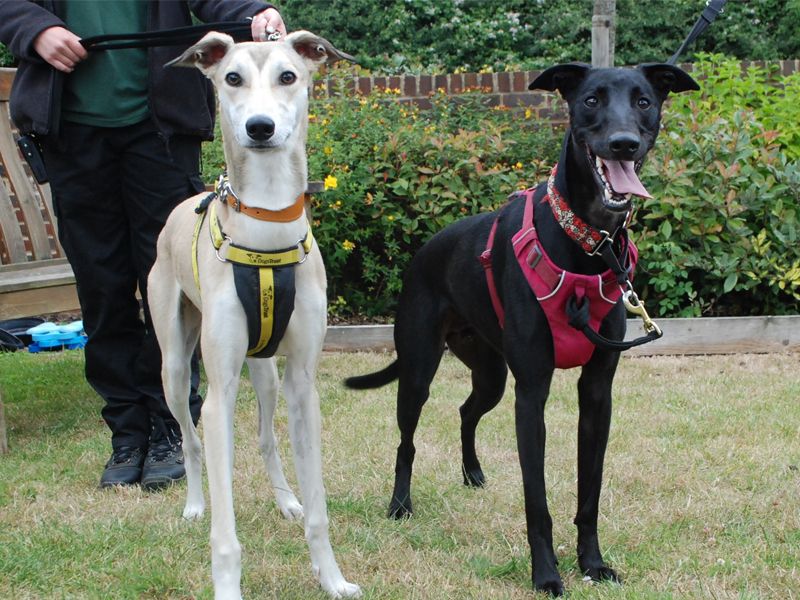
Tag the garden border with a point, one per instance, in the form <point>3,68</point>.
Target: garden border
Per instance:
<point>682,336</point>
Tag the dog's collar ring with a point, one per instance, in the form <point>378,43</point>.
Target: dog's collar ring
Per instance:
<point>599,245</point>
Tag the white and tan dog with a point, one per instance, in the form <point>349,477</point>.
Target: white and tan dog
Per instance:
<point>263,91</point>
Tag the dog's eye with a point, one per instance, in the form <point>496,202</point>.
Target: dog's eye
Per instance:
<point>591,102</point>
<point>287,78</point>
<point>233,79</point>
<point>643,103</point>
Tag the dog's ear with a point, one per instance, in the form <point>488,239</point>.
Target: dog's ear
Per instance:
<point>667,78</point>
<point>564,78</point>
<point>315,50</point>
<point>205,54</point>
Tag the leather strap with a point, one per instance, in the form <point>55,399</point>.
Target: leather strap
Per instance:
<point>179,36</point>
<point>285,215</point>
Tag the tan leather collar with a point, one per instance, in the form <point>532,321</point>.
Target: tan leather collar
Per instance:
<point>285,215</point>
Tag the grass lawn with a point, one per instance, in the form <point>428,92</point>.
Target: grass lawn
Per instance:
<point>701,495</point>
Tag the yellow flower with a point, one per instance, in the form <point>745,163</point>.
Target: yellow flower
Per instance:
<point>528,113</point>
<point>328,150</point>
<point>390,218</point>
<point>348,245</point>
<point>518,165</point>
<point>330,182</point>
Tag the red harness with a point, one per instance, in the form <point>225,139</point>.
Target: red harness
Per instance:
<point>553,286</point>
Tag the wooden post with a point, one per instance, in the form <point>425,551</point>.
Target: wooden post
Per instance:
<point>603,33</point>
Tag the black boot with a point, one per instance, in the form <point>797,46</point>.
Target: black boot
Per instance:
<point>163,465</point>
<point>123,468</point>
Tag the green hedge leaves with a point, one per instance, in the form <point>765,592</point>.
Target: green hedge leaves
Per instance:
<point>719,237</point>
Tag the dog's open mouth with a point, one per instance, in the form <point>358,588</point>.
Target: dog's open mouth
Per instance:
<point>619,181</point>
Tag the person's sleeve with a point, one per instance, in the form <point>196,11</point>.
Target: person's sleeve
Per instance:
<point>210,11</point>
<point>21,23</point>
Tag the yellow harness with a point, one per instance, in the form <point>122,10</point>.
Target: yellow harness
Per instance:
<point>264,279</point>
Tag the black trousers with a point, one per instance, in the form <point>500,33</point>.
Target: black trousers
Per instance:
<point>113,189</point>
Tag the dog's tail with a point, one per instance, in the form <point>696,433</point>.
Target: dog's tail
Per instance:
<point>373,380</point>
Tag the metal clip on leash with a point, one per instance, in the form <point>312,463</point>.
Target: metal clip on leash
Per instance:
<point>635,306</point>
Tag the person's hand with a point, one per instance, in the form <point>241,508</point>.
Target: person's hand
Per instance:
<point>266,24</point>
<point>60,48</point>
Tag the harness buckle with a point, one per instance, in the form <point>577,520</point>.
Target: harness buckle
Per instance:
<point>305,254</point>
<point>220,258</point>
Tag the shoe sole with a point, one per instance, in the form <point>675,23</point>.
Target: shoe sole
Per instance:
<point>159,483</point>
<point>116,484</point>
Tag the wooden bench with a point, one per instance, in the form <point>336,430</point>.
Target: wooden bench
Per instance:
<point>35,277</point>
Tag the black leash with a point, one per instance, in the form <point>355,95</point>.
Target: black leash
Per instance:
<point>179,36</point>
<point>578,315</point>
<point>710,12</point>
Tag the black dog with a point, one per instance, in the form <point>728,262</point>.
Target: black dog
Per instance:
<point>447,298</point>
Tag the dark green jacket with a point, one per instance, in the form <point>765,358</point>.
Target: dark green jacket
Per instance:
<point>181,100</point>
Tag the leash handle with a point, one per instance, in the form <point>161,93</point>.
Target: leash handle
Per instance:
<point>710,12</point>
<point>178,36</point>
<point>578,317</point>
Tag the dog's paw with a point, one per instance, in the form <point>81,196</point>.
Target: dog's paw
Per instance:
<point>193,512</point>
<point>602,573</point>
<point>473,477</point>
<point>400,509</point>
<point>291,509</point>
<point>554,588</point>
<point>342,589</point>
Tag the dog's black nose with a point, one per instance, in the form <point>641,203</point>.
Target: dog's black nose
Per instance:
<point>260,128</point>
<point>624,145</point>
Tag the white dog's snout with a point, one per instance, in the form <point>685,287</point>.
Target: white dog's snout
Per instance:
<point>260,128</point>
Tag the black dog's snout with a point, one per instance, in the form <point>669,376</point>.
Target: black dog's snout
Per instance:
<point>260,128</point>
<point>624,145</point>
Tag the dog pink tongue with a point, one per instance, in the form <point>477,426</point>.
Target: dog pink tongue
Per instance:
<point>623,179</point>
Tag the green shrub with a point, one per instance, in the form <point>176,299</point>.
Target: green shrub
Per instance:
<point>720,235</point>
<point>402,174</point>
<point>425,36</point>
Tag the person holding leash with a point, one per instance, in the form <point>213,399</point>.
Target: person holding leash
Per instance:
<point>120,138</point>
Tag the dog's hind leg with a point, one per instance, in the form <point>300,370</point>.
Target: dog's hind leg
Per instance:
<point>177,326</point>
<point>264,376</point>
<point>419,352</point>
<point>489,373</point>
<point>594,422</point>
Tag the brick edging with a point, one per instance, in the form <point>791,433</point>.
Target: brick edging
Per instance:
<point>508,89</point>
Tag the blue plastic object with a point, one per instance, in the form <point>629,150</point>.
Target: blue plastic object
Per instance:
<point>49,336</point>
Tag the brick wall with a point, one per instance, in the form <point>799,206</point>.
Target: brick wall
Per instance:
<point>503,89</point>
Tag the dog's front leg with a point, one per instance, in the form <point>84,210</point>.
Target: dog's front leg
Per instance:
<point>531,437</point>
<point>264,375</point>
<point>305,431</point>
<point>223,383</point>
<point>594,422</point>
